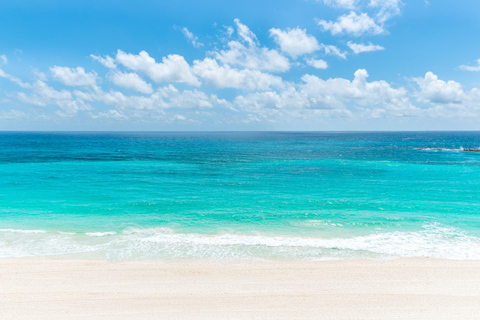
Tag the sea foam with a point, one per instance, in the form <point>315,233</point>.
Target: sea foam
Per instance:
<point>163,243</point>
<point>22,231</point>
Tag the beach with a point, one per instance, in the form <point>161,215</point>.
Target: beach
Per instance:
<point>422,288</point>
<point>247,225</point>
<point>270,160</point>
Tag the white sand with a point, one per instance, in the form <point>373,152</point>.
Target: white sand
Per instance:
<point>86,289</point>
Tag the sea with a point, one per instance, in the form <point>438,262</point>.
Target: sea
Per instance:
<point>240,196</point>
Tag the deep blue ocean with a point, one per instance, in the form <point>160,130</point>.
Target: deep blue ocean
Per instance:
<point>237,196</point>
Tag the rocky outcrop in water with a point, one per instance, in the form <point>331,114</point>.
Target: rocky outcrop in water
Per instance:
<point>446,149</point>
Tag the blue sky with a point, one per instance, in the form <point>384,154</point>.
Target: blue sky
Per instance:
<point>244,65</point>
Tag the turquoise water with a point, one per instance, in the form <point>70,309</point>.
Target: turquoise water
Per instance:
<point>240,195</point>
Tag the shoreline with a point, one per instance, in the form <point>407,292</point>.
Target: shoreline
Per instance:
<point>403,288</point>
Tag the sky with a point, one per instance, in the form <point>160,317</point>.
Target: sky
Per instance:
<point>304,65</point>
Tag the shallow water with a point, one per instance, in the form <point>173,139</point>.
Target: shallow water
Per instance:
<point>240,195</point>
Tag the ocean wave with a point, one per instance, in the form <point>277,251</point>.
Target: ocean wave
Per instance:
<point>100,234</point>
<point>162,230</point>
<point>22,231</point>
<point>163,243</point>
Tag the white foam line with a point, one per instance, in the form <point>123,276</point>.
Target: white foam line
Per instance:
<point>101,234</point>
<point>22,231</point>
<point>432,241</point>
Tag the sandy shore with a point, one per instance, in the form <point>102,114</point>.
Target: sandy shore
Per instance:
<point>86,289</point>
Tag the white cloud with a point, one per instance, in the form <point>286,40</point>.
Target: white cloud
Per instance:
<point>107,62</point>
<point>110,115</point>
<point>344,4</point>
<point>317,63</point>
<point>245,65</point>
<point>245,33</point>
<point>331,94</point>
<point>4,59</point>
<point>471,68</point>
<point>246,53</point>
<point>295,42</point>
<point>163,98</point>
<point>187,99</point>
<point>372,20</point>
<point>252,57</point>
<point>229,31</point>
<point>359,91</point>
<point>352,23</point>
<point>227,77</point>
<point>12,115</point>
<point>192,38</point>
<point>179,117</point>
<point>14,79</point>
<point>44,95</point>
<point>39,75</point>
<point>332,50</point>
<point>438,91</point>
<point>131,81</point>
<point>388,9</point>
<point>359,47</point>
<point>173,68</point>
<point>74,76</point>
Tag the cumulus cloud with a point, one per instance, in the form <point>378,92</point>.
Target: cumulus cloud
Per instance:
<point>359,47</point>
<point>336,93</point>
<point>334,51</point>
<point>227,77</point>
<point>173,68</point>
<point>163,98</point>
<point>252,57</point>
<point>294,42</point>
<point>243,64</point>
<point>387,9</point>
<point>131,81</point>
<point>352,23</point>
<point>191,37</point>
<point>359,92</point>
<point>317,63</point>
<point>435,90</point>
<point>171,97</point>
<point>107,62</point>
<point>247,53</point>
<point>74,76</point>
<point>367,17</point>
<point>44,95</point>
<point>245,33</point>
<point>471,68</point>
